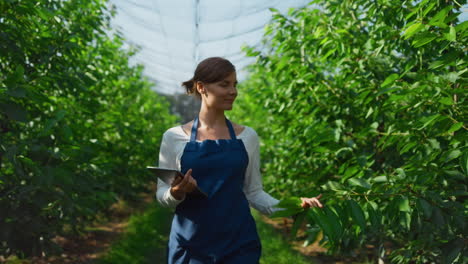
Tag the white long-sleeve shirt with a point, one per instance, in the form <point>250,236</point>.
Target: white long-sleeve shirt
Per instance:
<point>172,148</point>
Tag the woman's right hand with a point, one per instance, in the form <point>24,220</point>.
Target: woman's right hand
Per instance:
<point>184,185</point>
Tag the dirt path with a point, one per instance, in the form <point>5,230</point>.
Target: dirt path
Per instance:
<point>93,244</point>
<point>88,248</point>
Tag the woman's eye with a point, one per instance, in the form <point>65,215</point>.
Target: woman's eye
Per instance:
<point>226,85</point>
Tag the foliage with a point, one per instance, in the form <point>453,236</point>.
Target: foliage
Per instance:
<point>77,123</point>
<point>368,97</point>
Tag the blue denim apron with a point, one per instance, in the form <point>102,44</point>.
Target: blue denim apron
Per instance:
<point>218,228</point>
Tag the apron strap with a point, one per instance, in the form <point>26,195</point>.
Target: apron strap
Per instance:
<point>231,129</point>
<point>193,135</point>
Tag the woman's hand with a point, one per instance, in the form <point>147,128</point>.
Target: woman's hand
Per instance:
<point>311,202</point>
<point>184,185</point>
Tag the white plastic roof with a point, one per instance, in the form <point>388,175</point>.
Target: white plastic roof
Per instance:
<point>174,36</point>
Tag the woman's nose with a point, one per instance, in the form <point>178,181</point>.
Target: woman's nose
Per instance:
<point>233,91</point>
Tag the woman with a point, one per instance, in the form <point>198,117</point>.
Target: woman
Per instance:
<point>222,158</point>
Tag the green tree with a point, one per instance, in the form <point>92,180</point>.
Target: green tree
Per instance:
<point>78,125</point>
<point>365,102</point>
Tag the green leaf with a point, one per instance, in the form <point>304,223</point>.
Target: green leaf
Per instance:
<point>452,35</point>
<point>413,29</point>
<point>362,161</point>
<point>312,235</point>
<point>428,9</point>
<point>91,76</point>
<point>290,202</point>
<point>453,154</point>
<point>446,101</point>
<point>286,212</point>
<point>403,204</point>
<point>273,10</point>
<point>359,182</point>
<point>454,173</point>
<point>452,76</point>
<point>334,220</point>
<point>369,112</point>
<point>298,222</point>
<point>464,162</point>
<point>19,74</point>
<point>407,147</point>
<point>451,250</point>
<point>423,39</point>
<point>436,64</point>
<point>459,193</point>
<point>343,150</point>
<point>281,107</point>
<point>462,26</point>
<point>321,219</point>
<point>439,18</point>
<point>292,206</point>
<point>380,179</point>
<point>411,14</point>
<point>427,120</point>
<point>357,214</point>
<point>43,13</point>
<point>15,111</point>
<point>455,127</point>
<point>333,186</point>
<point>400,173</point>
<point>18,92</point>
<point>434,143</point>
<point>405,220</point>
<point>350,171</point>
<point>426,207</point>
<point>390,79</point>
<point>374,217</point>
<point>320,149</point>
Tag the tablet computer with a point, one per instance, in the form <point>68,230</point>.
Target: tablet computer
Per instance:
<point>170,175</point>
<point>166,175</point>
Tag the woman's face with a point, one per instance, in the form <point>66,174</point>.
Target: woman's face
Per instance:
<point>219,95</point>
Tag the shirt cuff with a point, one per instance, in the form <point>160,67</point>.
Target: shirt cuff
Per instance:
<point>171,200</point>
<point>263,202</point>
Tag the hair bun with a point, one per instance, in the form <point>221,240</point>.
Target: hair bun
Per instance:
<point>189,86</point>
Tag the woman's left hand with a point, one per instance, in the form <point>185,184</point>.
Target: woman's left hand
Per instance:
<point>311,202</point>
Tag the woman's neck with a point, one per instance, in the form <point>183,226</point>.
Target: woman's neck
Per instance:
<point>211,119</point>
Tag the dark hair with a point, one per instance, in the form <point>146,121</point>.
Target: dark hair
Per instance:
<point>209,70</point>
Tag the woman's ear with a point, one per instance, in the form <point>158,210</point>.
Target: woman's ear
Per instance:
<point>200,87</point>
